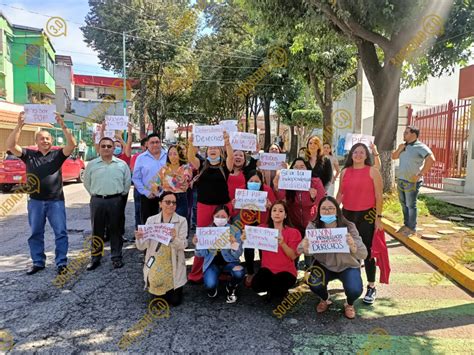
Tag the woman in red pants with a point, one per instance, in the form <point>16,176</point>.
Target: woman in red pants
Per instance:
<point>212,190</point>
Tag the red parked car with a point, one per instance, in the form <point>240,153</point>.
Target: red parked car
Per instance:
<point>13,170</point>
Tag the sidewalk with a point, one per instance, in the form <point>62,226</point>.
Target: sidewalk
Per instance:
<point>454,198</point>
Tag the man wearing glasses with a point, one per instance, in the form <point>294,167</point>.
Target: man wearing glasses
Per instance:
<point>145,176</point>
<point>107,179</point>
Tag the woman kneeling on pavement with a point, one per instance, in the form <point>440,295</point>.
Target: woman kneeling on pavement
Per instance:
<point>330,266</point>
<point>218,260</point>
<point>278,271</point>
<point>164,271</point>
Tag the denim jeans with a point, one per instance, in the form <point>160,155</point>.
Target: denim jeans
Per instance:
<point>211,275</point>
<point>55,211</point>
<point>407,194</point>
<point>350,277</point>
<point>182,204</point>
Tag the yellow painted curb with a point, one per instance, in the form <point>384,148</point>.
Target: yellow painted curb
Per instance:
<point>458,272</point>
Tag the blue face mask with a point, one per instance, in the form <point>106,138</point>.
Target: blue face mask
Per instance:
<point>252,185</point>
<point>329,218</point>
<point>117,150</point>
<point>214,161</point>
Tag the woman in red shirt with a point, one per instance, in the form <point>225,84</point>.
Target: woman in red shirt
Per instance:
<point>278,271</point>
<point>361,192</point>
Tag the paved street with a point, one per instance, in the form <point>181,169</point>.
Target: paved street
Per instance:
<point>91,313</point>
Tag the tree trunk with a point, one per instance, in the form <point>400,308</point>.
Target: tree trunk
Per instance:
<point>294,144</point>
<point>266,118</point>
<point>247,113</point>
<point>141,106</point>
<point>327,124</point>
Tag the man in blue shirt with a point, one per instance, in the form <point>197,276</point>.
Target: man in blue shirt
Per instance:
<point>145,174</point>
<point>416,159</point>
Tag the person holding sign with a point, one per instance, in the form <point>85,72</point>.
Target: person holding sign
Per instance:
<point>46,200</point>
<point>238,176</point>
<point>330,266</point>
<point>212,189</point>
<point>360,192</point>
<point>278,271</point>
<point>218,260</point>
<point>164,271</point>
<point>269,175</point>
<point>320,165</point>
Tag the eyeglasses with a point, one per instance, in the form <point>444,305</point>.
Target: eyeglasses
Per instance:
<point>328,209</point>
<point>106,146</point>
<point>169,202</point>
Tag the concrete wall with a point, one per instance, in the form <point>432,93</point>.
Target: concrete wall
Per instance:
<point>64,85</point>
<point>469,186</point>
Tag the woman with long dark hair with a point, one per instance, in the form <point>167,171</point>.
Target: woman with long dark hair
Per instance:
<point>320,165</point>
<point>331,266</point>
<point>360,192</point>
<point>269,175</point>
<point>278,272</point>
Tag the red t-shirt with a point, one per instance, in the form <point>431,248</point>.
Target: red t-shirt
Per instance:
<point>279,261</point>
<point>235,182</point>
<point>124,157</point>
<point>133,160</point>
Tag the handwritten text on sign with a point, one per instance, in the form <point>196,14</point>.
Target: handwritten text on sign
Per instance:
<point>243,141</point>
<point>229,125</point>
<point>116,122</point>
<point>327,240</point>
<point>208,136</point>
<point>160,232</point>
<point>292,179</point>
<point>257,200</point>
<point>35,113</point>
<point>353,138</point>
<point>209,237</point>
<point>261,238</point>
<point>109,134</point>
<point>272,161</point>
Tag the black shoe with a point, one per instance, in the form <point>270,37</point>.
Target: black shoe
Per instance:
<point>117,264</point>
<point>93,265</point>
<point>62,269</point>
<point>212,293</point>
<point>370,296</point>
<point>34,269</point>
<point>231,294</point>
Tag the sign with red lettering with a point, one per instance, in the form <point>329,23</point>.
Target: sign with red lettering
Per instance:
<point>160,232</point>
<point>327,240</point>
<point>272,161</point>
<point>250,199</point>
<point>243,141</point>
<point>36,113</point>
<point>261,238</point>
<point>208,136</point>
<point>293,179</point>
<point>353,138</point>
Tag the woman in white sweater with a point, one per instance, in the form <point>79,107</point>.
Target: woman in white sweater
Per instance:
<point>330,266</point>
<point>164,271</point>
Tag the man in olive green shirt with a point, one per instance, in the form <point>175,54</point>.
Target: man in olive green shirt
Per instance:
<point>107,179</point>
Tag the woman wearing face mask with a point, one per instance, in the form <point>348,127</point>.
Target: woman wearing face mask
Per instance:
<point>335,167</point>
<point>239,174</point>
<point>278,271</point>
<point>212,190</point>
<point>269,175</point>
<point>320,165</point>
<point>218,260</point>
<point>254,218</point>
<point>302,204</point>
<point>164,271</point>
<point>360,192</point>
<point>176,176</point>
<point>331,266</point>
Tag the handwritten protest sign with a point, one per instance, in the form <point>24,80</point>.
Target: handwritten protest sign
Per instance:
<point>243,141</point>
<point>353,138</point>
<point>210,237</point>
<point>116,122</point>
<point>107,133</point>
<point>208,136</point>
<point>261,238</point>
<point>271,161</point>
<point>257,200</point>
<point>327,240</point>
<point>229,125</point>
<point>292,179</point>
<point>36,113</point>
<point>160,232</point>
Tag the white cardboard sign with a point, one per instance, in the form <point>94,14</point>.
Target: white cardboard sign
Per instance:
<point>327,240</point>
<point>119,123</point>
<point>208,136</point>
<point>213,238</point>
<point>160,232</point>
<point>243,141</point>
<point>229,125</point>
<point>292,179</point>
<point>107,133</point>
<point>261,238</point>
<point>353,138</point>
<point>250,199</point>
<point>36,113</point>
<point>272,161</point>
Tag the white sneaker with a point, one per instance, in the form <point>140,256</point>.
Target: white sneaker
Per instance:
<point>231,294</point>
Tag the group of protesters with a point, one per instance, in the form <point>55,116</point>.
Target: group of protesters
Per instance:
<point>168,183</point>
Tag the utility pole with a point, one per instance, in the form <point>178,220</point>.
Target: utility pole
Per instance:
<point>124,76</point>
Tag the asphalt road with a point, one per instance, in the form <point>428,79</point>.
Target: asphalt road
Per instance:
<point>92,312</point>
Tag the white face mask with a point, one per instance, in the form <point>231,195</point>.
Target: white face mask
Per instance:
<point>220,222</point>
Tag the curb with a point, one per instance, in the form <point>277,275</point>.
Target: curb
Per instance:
<point>457,272</point>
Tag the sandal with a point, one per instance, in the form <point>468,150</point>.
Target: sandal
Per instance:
<point>349,311</point>
<point>323,306</point>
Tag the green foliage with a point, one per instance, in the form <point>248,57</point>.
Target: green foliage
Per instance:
<point>307,118</point>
